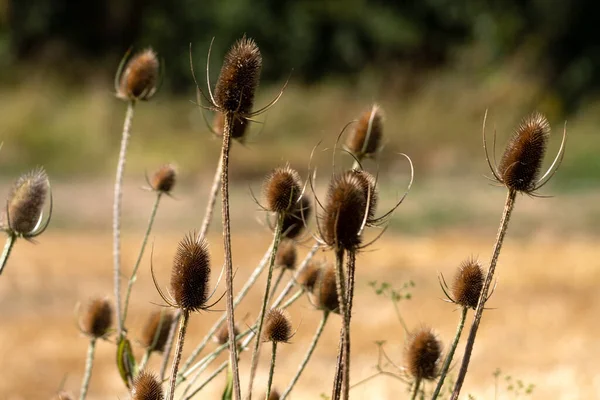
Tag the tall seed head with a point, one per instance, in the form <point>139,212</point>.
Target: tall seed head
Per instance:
<point>158,323</point>
<point>521,162</point>
<point>278,327</point>
<point>191,273</point>
<point>164,179</point>
<point>26,201</point>
<point>240,74</point>
<point>281,189</point>
<point>140,77</point>
<point>294,221</point>
<point>468,283</point>
<point>325,290</point>
<point>308,276</point>
<point>423,354</point>
<point>238,131</point>
<point>365,139</point>
<point>368,185</point>
<point>97,318</point>
<point>146,386</point>
<point>286,254</point>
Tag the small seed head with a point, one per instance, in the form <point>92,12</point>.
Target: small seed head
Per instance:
<point>295,220</point>
<point>468,283</point>
<point>164,178</point>
<point>325,290</point>
<point>277,326</point>
<point>222,335</point>
<point>365,139</point>
<point>423,354</point>
<point>191,273</point>
<point>308,276</point>
<point>158,323</point>
<point>140,77</point>
<point>97,318</point>
<point>146,386</point>
<point>286,254</point>
<point>281,189</point>
<point>239,129</point>
<point>26,201</point>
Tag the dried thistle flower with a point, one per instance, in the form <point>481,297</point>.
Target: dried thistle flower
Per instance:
<point>278,327</point>
<point>164,179</point>
<point>308,276</point>
<point>146,387</point>
<point>423,354</point>
<point>139,79</point>
<point>239,77</point>
<point>286,254</point>
<point>98,318</point>
<point>191,273</point>
<point>294,221</point>
<point>239,129</point>
<point>281,189</point>
<point>325,290</point>
<point>222,335</point>
<point>158,323</point>
<point>468,284</point>
<point>26,202</point>
<point>365,139</point>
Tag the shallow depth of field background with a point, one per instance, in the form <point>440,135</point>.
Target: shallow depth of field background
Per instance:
<point>434,67</point>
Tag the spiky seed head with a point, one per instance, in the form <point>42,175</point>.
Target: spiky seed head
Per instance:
<point>368,184</point>
<point>222,335</point>
<point>164,178</point>
<point>139,79</point>
<point>191,273</point>
<point>521,162</point>
<point>286,254</point>
<point>468,283</point>
<point>281,189</point>
<point>274,395</point>
<point>97,318</point>
<point>26,201</point>
<point>423,354</point>
<point>308,276</point>
<point>277,326</point>
<point>146,386</point>
<point>295,220</point>
<point>238,131</point>
<point>365,139</point>
<point>63,395</point>
<point>344,212</point>
<point>158,323</point>
<point>325,290</point>
<point>239,77</point>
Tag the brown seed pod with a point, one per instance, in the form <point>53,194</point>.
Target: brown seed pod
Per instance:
<point>365,139</point>
<point>277,326</point>
<point>308,276</point>
<point>239,77</point>
<point>325,290</point>
<point>281,189</point>
<point>62,395</point>
<point>26,201</point>
<point>238,131</point>
<point>222,335</point>
<point>294,221</point>
<point>369,186</point>
<point>164,179</point>
<point>521,162</point>
<point>97,319</point>
<point>286,254</point>
<point>191,273</point>
<point>468,284</point>
<point>155,326</point>
<point>146,386</point>
<point>140,77</point>
<point>423,354</point>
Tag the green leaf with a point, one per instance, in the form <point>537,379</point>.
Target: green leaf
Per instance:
<point>228,392</point>
<point>126,362</point>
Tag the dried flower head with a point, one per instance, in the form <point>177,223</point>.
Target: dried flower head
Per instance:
<point>281,189</point>
<point>238,131</point>
<point>278,327</point>
<point>325,290</point>
<point>468,284</point>
<point>222,335</point>
<point>26,202</point>
<point>286,254</point>
<point>139,79</point>
<point>295,220</point>
<point>97,319</point>
<point>365,139</point>
<point>159,323</point>
<point>239,77</point>
<point>423,354</point>
<point>274,395</point>
<point>63,395</point>
<point>308,276</point>
<point>164,179</point>
<point>368,184</point>
<point>146,386</point>
<point>191,273</point>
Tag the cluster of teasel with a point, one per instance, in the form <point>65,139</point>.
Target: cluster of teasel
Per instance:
<point>349,207</point>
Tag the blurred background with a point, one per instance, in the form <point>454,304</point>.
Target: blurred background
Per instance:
<point>434,66</point>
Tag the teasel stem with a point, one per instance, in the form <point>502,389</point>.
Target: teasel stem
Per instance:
<point>508,207</point>
<point>261,318</point>
<point>208,380</point>
<point>340,281</point>
<point>140,256</point>
<point>89,363</point>
<point>185,316</point>
<point>450,355</point>
<point>117,212</point>
<point>212,198</point>
<point>271,370</point>
<point>10,242</point>
<point>286,290</point>
<point>308,355</point>
<point>169,344</point>
<point>399,315</point>
<point>277,282</point>
<point>416,389</point>
<point>351,264</point>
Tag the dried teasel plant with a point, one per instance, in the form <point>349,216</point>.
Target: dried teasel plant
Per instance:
<point>146,386</point>
<point>156,331</point>
<point>278,329</point>
<point>164,178</point>
<point>365,140</point>
<point>422,357</point>
<point>138,78</point>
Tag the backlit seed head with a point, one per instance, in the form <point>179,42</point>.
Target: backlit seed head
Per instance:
<point>26,201</point>
<point>158,323</point>
<point>140,77</point>
<point>62,395</point>
<point>240,74</point>
<point>281,189</point>
<point>308,276</point>
<point>520,165</point>
<point>468,283</point>
<point>238,131</point>
<point>222,335</point>
<point>277,326</point>
<point>146,386</point>
<point>369,186</point>
<point>97,318</point>
<point>325,290</point>
<point>164,178</point>
<point>365,139</point>
<point>286,255</point>
<point>191,273</point>
<point>295,220</point>
<point>423,354</point>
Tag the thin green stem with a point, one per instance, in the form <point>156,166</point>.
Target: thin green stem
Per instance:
<point>402,322</point>
<point>450,355</point>
<point>416,389</point>
<point>293,281</point>
<point>271,370</point>
<point>340,281</point>
<point>150,349</point>
<point>208,380</point>
<point>169,344</point>
<point>277,282</point>
<point>185,316</point>
<point>506,213</point>
<point>89,363</point>
<point>10,242</point>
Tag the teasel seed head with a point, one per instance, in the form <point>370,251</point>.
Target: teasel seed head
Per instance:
<point>308,276</point>
<point>164,179</point>
<point>286,254</point>
<point>146,386</point>
<point>277,326</point>
<point>158,323</point>
<point>139,79</point>
<point>468,284</point>
<point>423,354</point>
<point>521,162</point>
<point>239,129</point>
<point>26,202</point>
<point>325,290</point>
<point>295,220</point>
<point>368,184</point>
<point>222,335</point>
<point>63,395</point>
<point>97,318</point>
<point>281,189</point>
<point>274,395</point>
<point>239,77</point>
<point>365,139</point>
<point>190,275</point>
